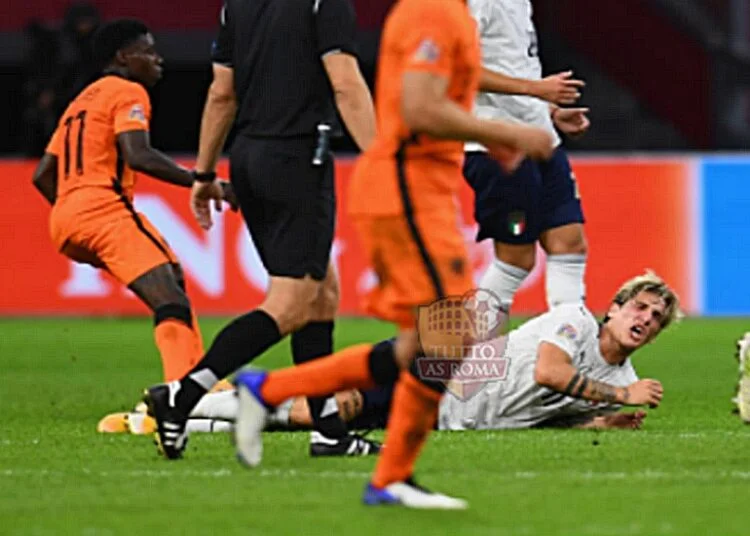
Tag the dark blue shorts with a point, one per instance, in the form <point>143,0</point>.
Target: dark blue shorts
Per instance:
<point>376,405</point>
<point>517,208</point>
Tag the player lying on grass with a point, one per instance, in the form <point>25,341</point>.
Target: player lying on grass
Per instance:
<point>88,174</point>
<point>565,369</point>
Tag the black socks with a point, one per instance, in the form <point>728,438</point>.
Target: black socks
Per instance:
<point>244,339</point>
<point>311,342</point>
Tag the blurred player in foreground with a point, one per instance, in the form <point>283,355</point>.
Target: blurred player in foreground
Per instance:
<point>564,369</point>
<point>539,201</point>
<point>402,201</point>
<point>88,174</point>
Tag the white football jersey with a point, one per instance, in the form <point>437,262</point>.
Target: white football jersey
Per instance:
<point>517,401</point>
<point>509,46</point>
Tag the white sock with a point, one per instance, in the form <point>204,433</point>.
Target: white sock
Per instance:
<point>205,378</point>
<point>503,280</point>
<point>221,405</point>
<point>565,275</point>
<point>208,426</point>
<point>279,417</point>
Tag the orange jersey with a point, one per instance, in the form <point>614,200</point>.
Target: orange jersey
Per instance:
<point>91,177</point>
<point>433,36</point>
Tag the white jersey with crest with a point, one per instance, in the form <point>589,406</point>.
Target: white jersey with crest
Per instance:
<point>509,46</point>
<point>517,401</point>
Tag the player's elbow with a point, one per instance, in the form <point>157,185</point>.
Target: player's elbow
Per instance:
<point>344,76</point>
<point>222,93</point>
<point>37,179</point>
<point>419,116</point>
<point>46,172</point>
<point>350,92</point>
<point>138,160</point>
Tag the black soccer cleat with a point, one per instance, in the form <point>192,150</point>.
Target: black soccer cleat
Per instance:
<point>351,445</point>
<point>170,436</point>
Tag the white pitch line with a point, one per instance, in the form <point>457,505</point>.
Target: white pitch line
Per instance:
<point>646,474</point>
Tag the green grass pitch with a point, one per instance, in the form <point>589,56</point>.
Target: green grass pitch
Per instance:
<point>686,472</point>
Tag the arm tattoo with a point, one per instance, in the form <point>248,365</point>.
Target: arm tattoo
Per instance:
<point>602,391</point>
<point>582,387</point>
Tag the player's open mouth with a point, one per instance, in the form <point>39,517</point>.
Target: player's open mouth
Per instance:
<point>637,332</point>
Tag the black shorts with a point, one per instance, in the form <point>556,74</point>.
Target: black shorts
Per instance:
<point>517,208</point>
<point>289,205</point>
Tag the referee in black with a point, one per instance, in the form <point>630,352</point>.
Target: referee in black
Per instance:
<point>281,70</point>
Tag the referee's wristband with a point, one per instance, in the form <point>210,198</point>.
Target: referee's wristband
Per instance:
<point>206,176</point>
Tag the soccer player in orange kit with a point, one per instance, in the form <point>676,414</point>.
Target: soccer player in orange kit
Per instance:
<point>88,174</point>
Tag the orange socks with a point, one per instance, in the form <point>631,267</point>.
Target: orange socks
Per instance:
<point>347,369</point>
<point>414,411</point>
<point>180,347</point>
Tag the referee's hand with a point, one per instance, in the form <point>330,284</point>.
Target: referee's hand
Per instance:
<point>200,201</point>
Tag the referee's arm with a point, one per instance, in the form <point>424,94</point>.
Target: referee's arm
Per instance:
<point>352,96</point>
<point>336,26</point>
<point>221,102</point>
<point>217,119</point>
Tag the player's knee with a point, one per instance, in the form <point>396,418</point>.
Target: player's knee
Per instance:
<point>292,317</point>
<point>327,302</point>
<point>568,240</point>
<point>291,312</point>
<point>174,311</point>
<point>520,257</point>
<point>569,245</point>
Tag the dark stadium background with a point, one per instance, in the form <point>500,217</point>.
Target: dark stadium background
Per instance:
<point>662,74</point>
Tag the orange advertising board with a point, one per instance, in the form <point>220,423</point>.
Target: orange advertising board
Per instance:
<point>638,216</point>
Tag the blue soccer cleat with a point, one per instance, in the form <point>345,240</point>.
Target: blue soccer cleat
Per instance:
<point>411,495</point>
<point>251,417</point>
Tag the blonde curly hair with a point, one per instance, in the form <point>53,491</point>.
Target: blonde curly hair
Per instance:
<point>650,282</point>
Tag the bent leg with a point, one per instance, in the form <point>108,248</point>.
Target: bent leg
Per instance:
<point>567,250</point>
<point>175,331</point>
<point>562,235</point>
<point>315,340</point>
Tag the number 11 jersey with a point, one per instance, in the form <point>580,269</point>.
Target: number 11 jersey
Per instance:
<point>92,177</point>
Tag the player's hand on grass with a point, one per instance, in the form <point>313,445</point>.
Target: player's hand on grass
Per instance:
<point>645,392</point>
<point>572,122</point>
<point>558,88</point>
<point>627,421</point>
<point>200,201</point>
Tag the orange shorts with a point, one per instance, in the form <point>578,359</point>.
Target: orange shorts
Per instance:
<point>124,243</point>
<point>415,264</point>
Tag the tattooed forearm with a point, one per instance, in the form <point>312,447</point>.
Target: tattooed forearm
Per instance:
<point>582,387</point>
<point>602,391</point>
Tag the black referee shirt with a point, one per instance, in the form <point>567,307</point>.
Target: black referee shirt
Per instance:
<point>275,49</point>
